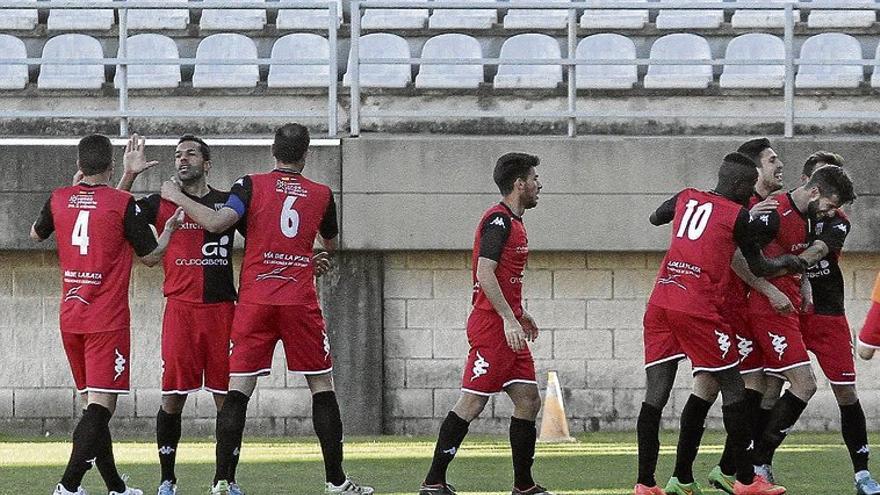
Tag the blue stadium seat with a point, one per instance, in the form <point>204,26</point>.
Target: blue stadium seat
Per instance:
<point>71,46</point>
<point>226,46</point>
<point>679,46</point>
<point>607,46</point>
<point>530,46</point>
<point>454,47</point>
<point>300,46</point>
<point>151,76</point>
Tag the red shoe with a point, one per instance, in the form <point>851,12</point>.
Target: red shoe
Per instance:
<point>648,490</point>
<point>759,486</point>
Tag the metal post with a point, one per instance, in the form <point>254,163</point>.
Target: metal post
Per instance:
<point>572,72</point>
<point>789,70</point>
<point>123,72</point>
<point>333,87</point>
<point>354,77</point>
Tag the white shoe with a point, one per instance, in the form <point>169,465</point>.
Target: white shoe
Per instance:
<point>129,491</point>
<point>765,470</point>
<point>60,490</point>
<point>167,488</point>
<point>221,488</point>
<point>348,488</point>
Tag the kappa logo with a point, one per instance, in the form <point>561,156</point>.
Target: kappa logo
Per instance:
<point>481,367</point>
<point>231,345</point>
<point>120,364</point>
<point>864,450</point>
<point>218,248</point>
<point>276,274</point>
<point>779,343</point>
<point>239,182</point>
<point>137,209</point>
<point>723,343</point>
<point>765,218</point>
<point>744,347</point>
<point>499,222</point>
<point>166,450</point>
<point>92,461</point>
<point>451,451</point>
<point>326,346</point>
<point>236,451</point>
<point>841,227</point>
<point>73,295</point>
<point>786,431</point>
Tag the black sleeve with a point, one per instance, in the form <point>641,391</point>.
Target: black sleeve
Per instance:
<point>751,233</point>
<point>44,226</point>
<point>834,234</point>
<point>149,206</point>
<point>665,212</point>
<point>137,230</point>
<point>243,189</point>
<point>329,227</point>
<point>493,235</point>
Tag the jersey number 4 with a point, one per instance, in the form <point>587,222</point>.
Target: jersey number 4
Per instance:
<point>695,219</point>
<point>80,235</point>
<point>289,218</point>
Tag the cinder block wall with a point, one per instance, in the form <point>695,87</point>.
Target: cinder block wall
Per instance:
<point>589,307</point>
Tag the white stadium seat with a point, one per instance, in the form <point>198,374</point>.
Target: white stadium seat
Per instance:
<point>875,77</point>
<point>13,76</point>
<point>455,47</point>
<point>760,18</point>
<point>394,18</point>
<point>300,46</point>
<point>151,76</point>
<point>535,18</point>
<point>166,18</point>
<point>232,19</point>
<point>608,46</point>
<point>754,46</point>
<point>307,18</point>
<point>18,18</point>
<point>688,18</point>
<point>830,46</point>
<point>71,46</point>
<point>226,46</point>
<point>474,18</point>
<point>80,19</point>
<point>615,19</point>
<point>679,46</point>
<point>529,46</point>
<point>381,45</point>
<point>841,18</point>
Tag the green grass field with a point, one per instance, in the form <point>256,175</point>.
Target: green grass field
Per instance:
<point>603,463</point>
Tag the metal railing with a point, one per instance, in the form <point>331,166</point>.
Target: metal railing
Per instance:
<point>123,113</point>
<point>572,114</point>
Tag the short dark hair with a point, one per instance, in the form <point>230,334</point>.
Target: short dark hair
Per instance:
<point>753,148</point>
<point>291,143</point>
<point>825,157</point>
<point>203,146</point>
<point>833,181</point>
<point>94,154</point>
<point>737,167</point>
<point>512,166</point>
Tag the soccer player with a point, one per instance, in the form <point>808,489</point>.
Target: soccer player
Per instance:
<point>283,212</point>
<point>827,335</point>
<point>497,331</point>
<point>200,297</point>
<point>96,228</point>
<point>869,336</point>
<point>682,317</point>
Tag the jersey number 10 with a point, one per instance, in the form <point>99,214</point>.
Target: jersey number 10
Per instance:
<point>695,220</point>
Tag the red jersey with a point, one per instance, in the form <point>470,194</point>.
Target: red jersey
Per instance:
<point>501,237</point>
<point>793,237</point>
<point>696,267</point>
<point>93,227</point>
<point>198,263</point>
<point>736,296</point>
<point>283,212</point>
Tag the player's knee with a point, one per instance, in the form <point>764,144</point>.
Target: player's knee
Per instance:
<point>803,385</point>
<point>865,352</point>
<point>845,394</point>
<point>530,405</point>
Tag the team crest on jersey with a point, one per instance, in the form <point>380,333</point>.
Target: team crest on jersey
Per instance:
<point>819,227</point>
<point>290,186</point>
<point>73,295</point>
<point>481,367</point>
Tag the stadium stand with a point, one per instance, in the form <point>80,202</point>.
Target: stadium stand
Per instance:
<point>19,19</point>
<point>394,18</point>
<point>151,76</point>
<point>830,46</point>
<point>452,46</point>
<point>463,18</point>
<point>13,76</point>
<point>299,46</point>
<point>80,19</point>
<point>232,20</point>
<point>306,18</point>
<point>753,18</point>
<point>534,19</point>
<point>226,46</point>
<point>679,46</point>
<point>875,77</point>
<point>71,46</point>
<point>754,46</point>
<point>381,45</point>
<point>688,19</point>
<point>159,18</point>
<point>531,46</point>
<point>841,18</point>
<point>614,19</point>
<point>606,45</point>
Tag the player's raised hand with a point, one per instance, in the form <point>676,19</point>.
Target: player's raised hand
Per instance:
<point>134,160</point>
<point>530,328</point>
<point>78,177</point>
<point>764,206</point>
<point>170,190</point>
<point>780,302</point>
<point>514,334</point>
<point>175,221</point>
<point>322,264</point>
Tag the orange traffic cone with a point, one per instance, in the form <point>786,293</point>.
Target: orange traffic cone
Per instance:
<point>554,424</point>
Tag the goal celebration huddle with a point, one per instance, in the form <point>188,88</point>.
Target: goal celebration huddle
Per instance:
<point>749,286</point>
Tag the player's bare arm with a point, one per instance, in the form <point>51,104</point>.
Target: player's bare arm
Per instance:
<point>764,206</point>
<point>134,162</point>
<point>529,326</point>
<point>322,260</point>
<point>817,250</point>
<point>214,221</point>
<point>513,330</point>
<point>780,302</point>
<point>806,294</point>
<point>171,225</point>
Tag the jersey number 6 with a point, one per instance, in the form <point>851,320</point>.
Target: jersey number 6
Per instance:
<point>694,222</point>
<point>289,218</point>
